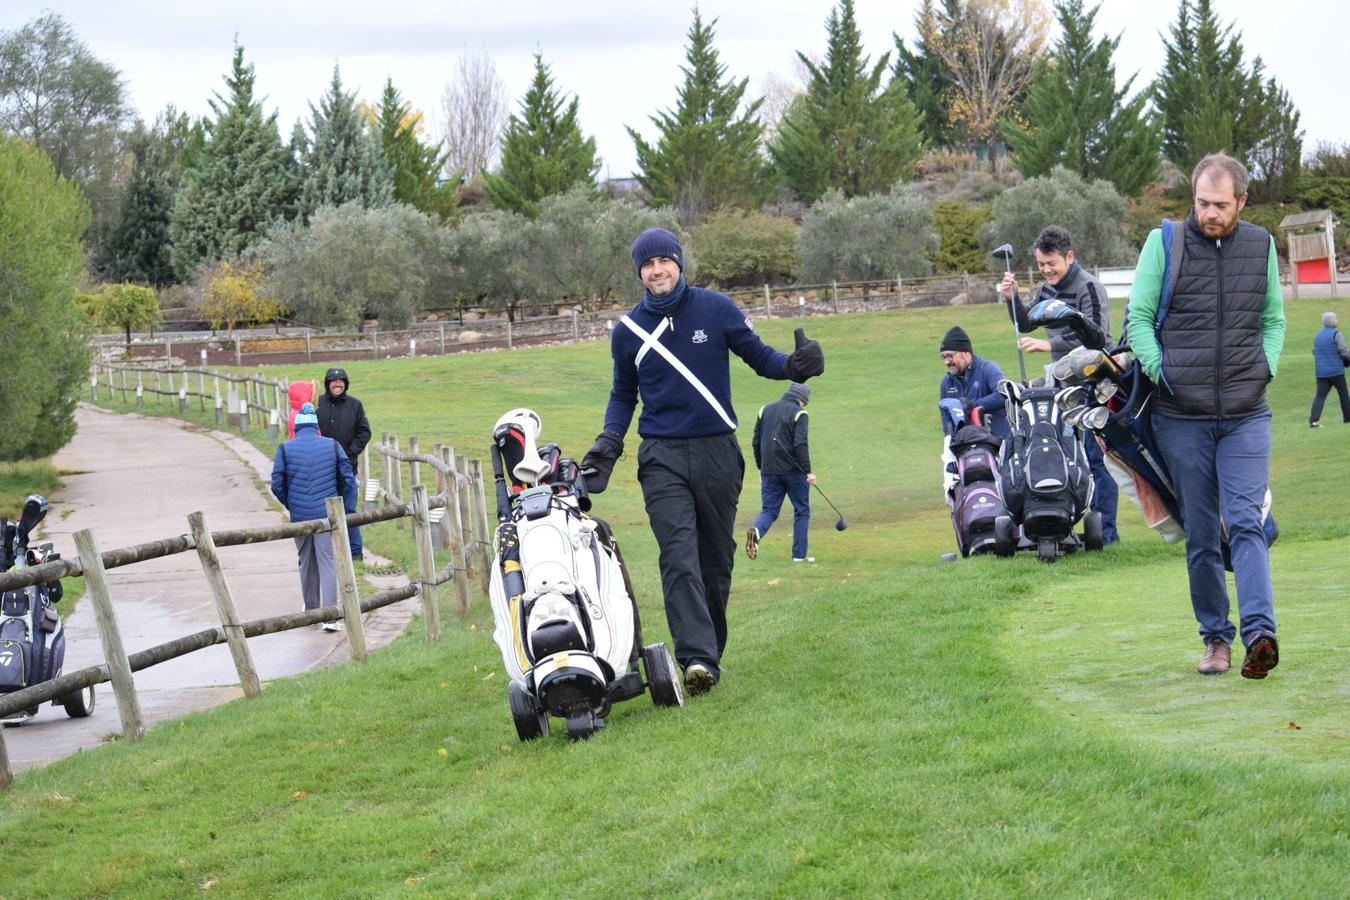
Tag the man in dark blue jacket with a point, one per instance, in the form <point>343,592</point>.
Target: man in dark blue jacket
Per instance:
<point>1330,356</point>
<point>972,380</point>
<point>783,454</point>
<point>306,471</point>
<point>672,351</point>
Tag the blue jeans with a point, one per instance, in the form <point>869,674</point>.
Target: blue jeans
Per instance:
<point>772,489</point>
<point>1223,467</point>
<point>1104,490</point>
<point>353,533</point>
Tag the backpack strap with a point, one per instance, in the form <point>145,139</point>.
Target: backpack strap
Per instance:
<point>1174,243</point>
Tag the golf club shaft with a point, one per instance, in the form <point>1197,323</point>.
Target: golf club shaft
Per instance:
<point>804,472</point>
<point>1017,334</point>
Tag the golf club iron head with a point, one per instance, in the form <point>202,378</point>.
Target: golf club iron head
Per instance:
<point>1105,390</point>
<point>1095,418</point>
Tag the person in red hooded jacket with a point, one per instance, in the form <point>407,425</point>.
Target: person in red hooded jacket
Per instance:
<point>299,393</point>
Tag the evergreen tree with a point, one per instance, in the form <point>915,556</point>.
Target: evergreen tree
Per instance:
<point>543,150</point>
<point>846,132</point>
<point>1075,116</point>
<point>138,248</point>
<point>415,166</point>
<point>707,156</point>
<point>343,161</point>
<point>1207,97</point>
<point>927,80</point>
<point>241,183</point>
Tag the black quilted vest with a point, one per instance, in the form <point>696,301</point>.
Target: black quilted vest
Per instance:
<point>1213,364</point>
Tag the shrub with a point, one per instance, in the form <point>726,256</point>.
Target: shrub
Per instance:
<point>234,296</point>
<point>1092,211</point>
<point>958,227</point>
<point>866,238</point>
<point>736,248</point>
<point>127,306</point>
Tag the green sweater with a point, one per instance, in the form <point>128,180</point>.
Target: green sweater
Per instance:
<point>1146,292</point>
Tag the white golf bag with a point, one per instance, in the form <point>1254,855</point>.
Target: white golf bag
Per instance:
<point>566,622</point>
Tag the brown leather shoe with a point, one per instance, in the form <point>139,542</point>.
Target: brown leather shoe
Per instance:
<point>1218,654</point>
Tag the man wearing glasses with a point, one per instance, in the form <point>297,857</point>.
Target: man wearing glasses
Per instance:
<point>972,380</point>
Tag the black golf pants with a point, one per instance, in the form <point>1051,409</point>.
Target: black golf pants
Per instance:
<point>1324,386</point>
<point>691,487</point>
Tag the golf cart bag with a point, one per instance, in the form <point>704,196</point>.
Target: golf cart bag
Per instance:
<point>1044,473</point>
<point>566,622</point>
<point>973,484</point>
<point>32,637</point>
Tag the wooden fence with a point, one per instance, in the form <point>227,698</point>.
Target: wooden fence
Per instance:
<point>246,401</point>
<point>455,517</point>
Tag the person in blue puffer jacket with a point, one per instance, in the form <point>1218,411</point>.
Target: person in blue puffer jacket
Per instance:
<point>306,471</point>
<point>1330,356</point>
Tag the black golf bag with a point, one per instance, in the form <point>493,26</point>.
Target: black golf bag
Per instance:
<point>32,637</point>
<point>1044,473</point>
<point>973,491</point>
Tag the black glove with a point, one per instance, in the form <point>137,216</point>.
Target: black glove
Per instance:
<point>807,361</point>
<point>598,462</point>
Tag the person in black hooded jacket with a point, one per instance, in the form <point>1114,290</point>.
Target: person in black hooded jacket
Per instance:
<point>343,418</point>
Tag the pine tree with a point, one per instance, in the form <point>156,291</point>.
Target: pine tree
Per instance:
<point>707,157</point>
<point>846,132</point>
<point>1207,97</point>
<point>241,184</point>
<point>415,166</point>
<point>138,248</point>
<point>344,162</point>
<point>927,80</point>
<point>543,150</point>
<point>1075,116</point>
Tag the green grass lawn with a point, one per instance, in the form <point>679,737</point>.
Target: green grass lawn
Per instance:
<point>887,723</point>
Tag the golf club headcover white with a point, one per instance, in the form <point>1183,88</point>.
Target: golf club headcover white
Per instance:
<point>526,425</point>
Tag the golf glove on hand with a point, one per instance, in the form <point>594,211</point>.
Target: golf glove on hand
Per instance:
<point>598,462</point>
<point>807,360</point>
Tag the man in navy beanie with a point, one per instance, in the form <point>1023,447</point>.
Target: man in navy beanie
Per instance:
<point>972,380</point>
<point>671,351</point>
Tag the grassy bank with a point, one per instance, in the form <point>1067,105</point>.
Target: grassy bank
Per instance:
<point>887,722</point>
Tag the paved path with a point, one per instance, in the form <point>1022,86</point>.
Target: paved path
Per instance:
<point>133,479</point>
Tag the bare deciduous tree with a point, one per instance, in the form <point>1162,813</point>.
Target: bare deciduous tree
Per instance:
<point>990,47</point>
<point>778,91</point>
<point>474,105</point>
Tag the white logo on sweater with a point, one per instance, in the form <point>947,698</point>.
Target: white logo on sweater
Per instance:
<point>700,337</point>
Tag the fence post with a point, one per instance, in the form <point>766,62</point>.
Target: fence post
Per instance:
<point>412,348</point>
<point>114,654</point>
<point>466,511</point>
<point>238,353</point>
<point>348,595</point>
<point>414,467</point>
<point>168,353</point>
<point>362,478</point>
<point>93,387</point>
<point>396,479</point>
<point>389,471</point>
<point>442,487</point>
<point>159,384</point>
<point>442,328</point>
<point>834,291</point>
<point>6,776</point>
<point>768,304</point>
<point>112,389</point>
<point>273,424</point>
<point>456,529</point>
<point>508,335</point>
<point>229,616</point>
<point>243,415</point>
<point>307,351</point>
<point>801,306</point>
<point>219,411</point>
<point>375,343</point>
<point>478,498</point>
<point>140,391</point>
<point>426,563</point>
<point>201,383</point>
<point>182,398</point>
<point>576,329</point>
<point>124,386</point>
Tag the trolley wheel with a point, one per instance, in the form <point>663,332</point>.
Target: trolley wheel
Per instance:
<point>1092,531</point>
<point>582,726</point>
<point>531,721</point>
<point>79,704</point>
<point>662,680</point>
<point>1005,536</point>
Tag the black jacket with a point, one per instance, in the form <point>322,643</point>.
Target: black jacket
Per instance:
<point>343,419</point>
<point>780,441</point>
<point>1213,361</point>
<point>1081,291</point>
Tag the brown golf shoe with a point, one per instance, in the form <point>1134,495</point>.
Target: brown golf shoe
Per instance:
<point>752,543</point>
<point>1263,654</point>
<point>1217,658</point>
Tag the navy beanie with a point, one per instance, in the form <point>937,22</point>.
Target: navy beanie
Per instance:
<point>956,339</point>
<point>656,242</point>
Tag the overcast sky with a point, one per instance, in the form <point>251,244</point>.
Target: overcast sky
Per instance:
<point>621,59</point>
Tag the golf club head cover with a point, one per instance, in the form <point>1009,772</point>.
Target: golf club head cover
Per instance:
<point>598,463</point>
<point>807,360</point>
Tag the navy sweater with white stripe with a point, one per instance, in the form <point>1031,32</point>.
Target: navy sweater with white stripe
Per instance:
<point>702,327</point>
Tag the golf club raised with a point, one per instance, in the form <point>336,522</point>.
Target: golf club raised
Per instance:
<point>842,523</point>
<point>1006,251</point>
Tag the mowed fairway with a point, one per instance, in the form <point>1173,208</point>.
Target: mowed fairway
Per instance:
<point>888,723</point>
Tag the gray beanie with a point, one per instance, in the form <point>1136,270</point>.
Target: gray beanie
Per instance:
<point>1329,319</point>
<point>799,392</point>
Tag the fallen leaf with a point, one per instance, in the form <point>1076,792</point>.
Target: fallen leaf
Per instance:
<point>298,795</point>
<point>207,884</point>
<point>774,581</point>
<point>342,742</point>
<point>488,675</point>
<point>444,685</point>
<point>441,751</point>
<point>505,748</point>
<point>1296,726</point>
